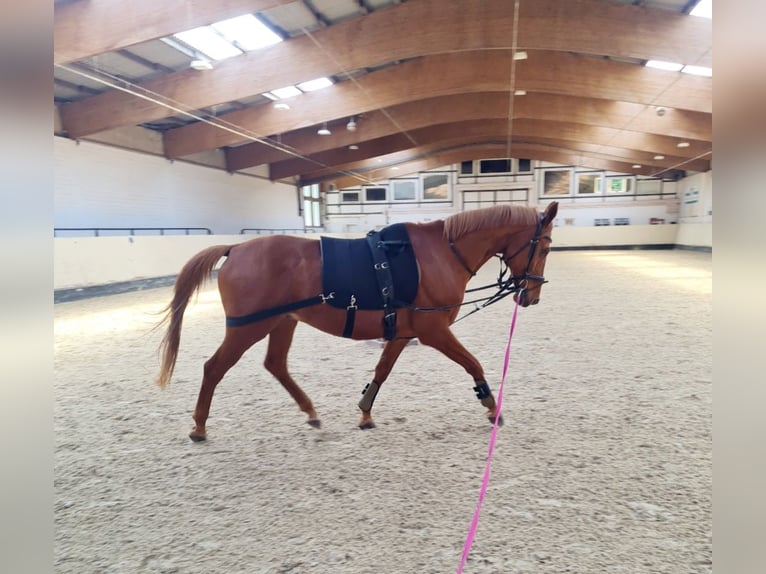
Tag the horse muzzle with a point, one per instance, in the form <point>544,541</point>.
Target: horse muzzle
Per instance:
<point>524,300</point>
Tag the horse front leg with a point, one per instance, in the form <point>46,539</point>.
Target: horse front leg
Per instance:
<point>388,357</point>
<point>444,341</point>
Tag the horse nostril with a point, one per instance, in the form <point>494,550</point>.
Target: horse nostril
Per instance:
<point>535,301</point>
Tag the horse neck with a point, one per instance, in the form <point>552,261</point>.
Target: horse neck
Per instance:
<point>479,246</point>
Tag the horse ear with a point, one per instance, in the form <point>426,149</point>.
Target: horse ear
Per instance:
<point>550,212</point>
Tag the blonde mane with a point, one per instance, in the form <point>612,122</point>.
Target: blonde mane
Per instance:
<point>465,222</point>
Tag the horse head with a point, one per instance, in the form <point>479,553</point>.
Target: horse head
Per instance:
<point>527,260</point>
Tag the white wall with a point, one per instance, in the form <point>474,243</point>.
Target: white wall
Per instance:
<point>696,210</point>
<point>614,235</point>
<point>101,186</point>
<point>88,261</point>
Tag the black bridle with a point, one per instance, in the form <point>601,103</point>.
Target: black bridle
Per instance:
<point>505,286</point>
<point>521,281</point>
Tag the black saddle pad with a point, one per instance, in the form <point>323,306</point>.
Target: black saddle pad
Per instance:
<point>347,269</point>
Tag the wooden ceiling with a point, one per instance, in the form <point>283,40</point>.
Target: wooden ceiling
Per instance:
<point>428,83</point>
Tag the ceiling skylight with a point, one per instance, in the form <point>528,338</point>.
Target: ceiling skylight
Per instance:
<point>704,8</point>
<point>292,91</point>
<point>698,71</point>
<point>247,32</point>
<point>662,65</point>
<point>209,42</point>
<point>230,37</point>
<point>316,84</point>
<point>286,92</point>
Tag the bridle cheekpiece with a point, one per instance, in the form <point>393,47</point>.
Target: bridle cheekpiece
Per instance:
<point>520,282</point>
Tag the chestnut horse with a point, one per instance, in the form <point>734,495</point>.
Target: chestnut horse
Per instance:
<point>271,273</point>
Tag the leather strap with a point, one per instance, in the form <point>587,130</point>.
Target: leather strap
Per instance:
<point>385,283</point>
<point>348,328</point>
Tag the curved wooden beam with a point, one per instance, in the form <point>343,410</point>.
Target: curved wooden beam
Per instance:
<point>633,146</point>
<point>438,159</point>
<point>450,74</point>
<point>623,159</point>
<point>621,116</point>
<point>395,34</point>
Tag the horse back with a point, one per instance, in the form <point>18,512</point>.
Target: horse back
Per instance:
<point>269,271</point>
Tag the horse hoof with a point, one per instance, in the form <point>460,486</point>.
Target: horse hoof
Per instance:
<point>499,420</point>
<point>197,437</point>
<point>367,425</point>
<point>315,423</point>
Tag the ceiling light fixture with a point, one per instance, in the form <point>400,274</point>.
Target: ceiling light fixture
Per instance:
<point>353,146</point>
<point>659,157</point>
<point>351,125</point>
<point>324,130</point>
<point>636,165</point>
<point>281,106</point>
<point>520,93</point>
<point>682,144</point>
<point>520,56</point>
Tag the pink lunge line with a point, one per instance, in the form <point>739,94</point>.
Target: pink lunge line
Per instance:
<point>492,438</point>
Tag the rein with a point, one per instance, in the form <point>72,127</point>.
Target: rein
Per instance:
<point>514,283</point>
<point>504,288</point>
<point>492,439</point>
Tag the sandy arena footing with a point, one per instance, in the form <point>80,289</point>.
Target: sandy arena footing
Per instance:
<point>604,464</point>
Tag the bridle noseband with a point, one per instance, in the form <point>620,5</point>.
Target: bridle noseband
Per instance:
<point>505,287</point>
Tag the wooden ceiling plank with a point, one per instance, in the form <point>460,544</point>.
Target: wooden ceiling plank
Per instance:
<point>587,152</point>
<point>634,147</point>
<point>444,109</point>
<point>597,150</point>
<point>639,32</point>
<point>446,158</point>
<point>386,35</point>
<point>88,28</point>
<point>442,75</point>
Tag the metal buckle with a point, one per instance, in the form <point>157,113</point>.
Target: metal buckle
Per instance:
<point>326,298</point>
<point>352,303</point>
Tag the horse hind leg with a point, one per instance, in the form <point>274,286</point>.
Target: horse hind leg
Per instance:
<point>280,340</point>
<point>236,341</point>
<point>388,357</point>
